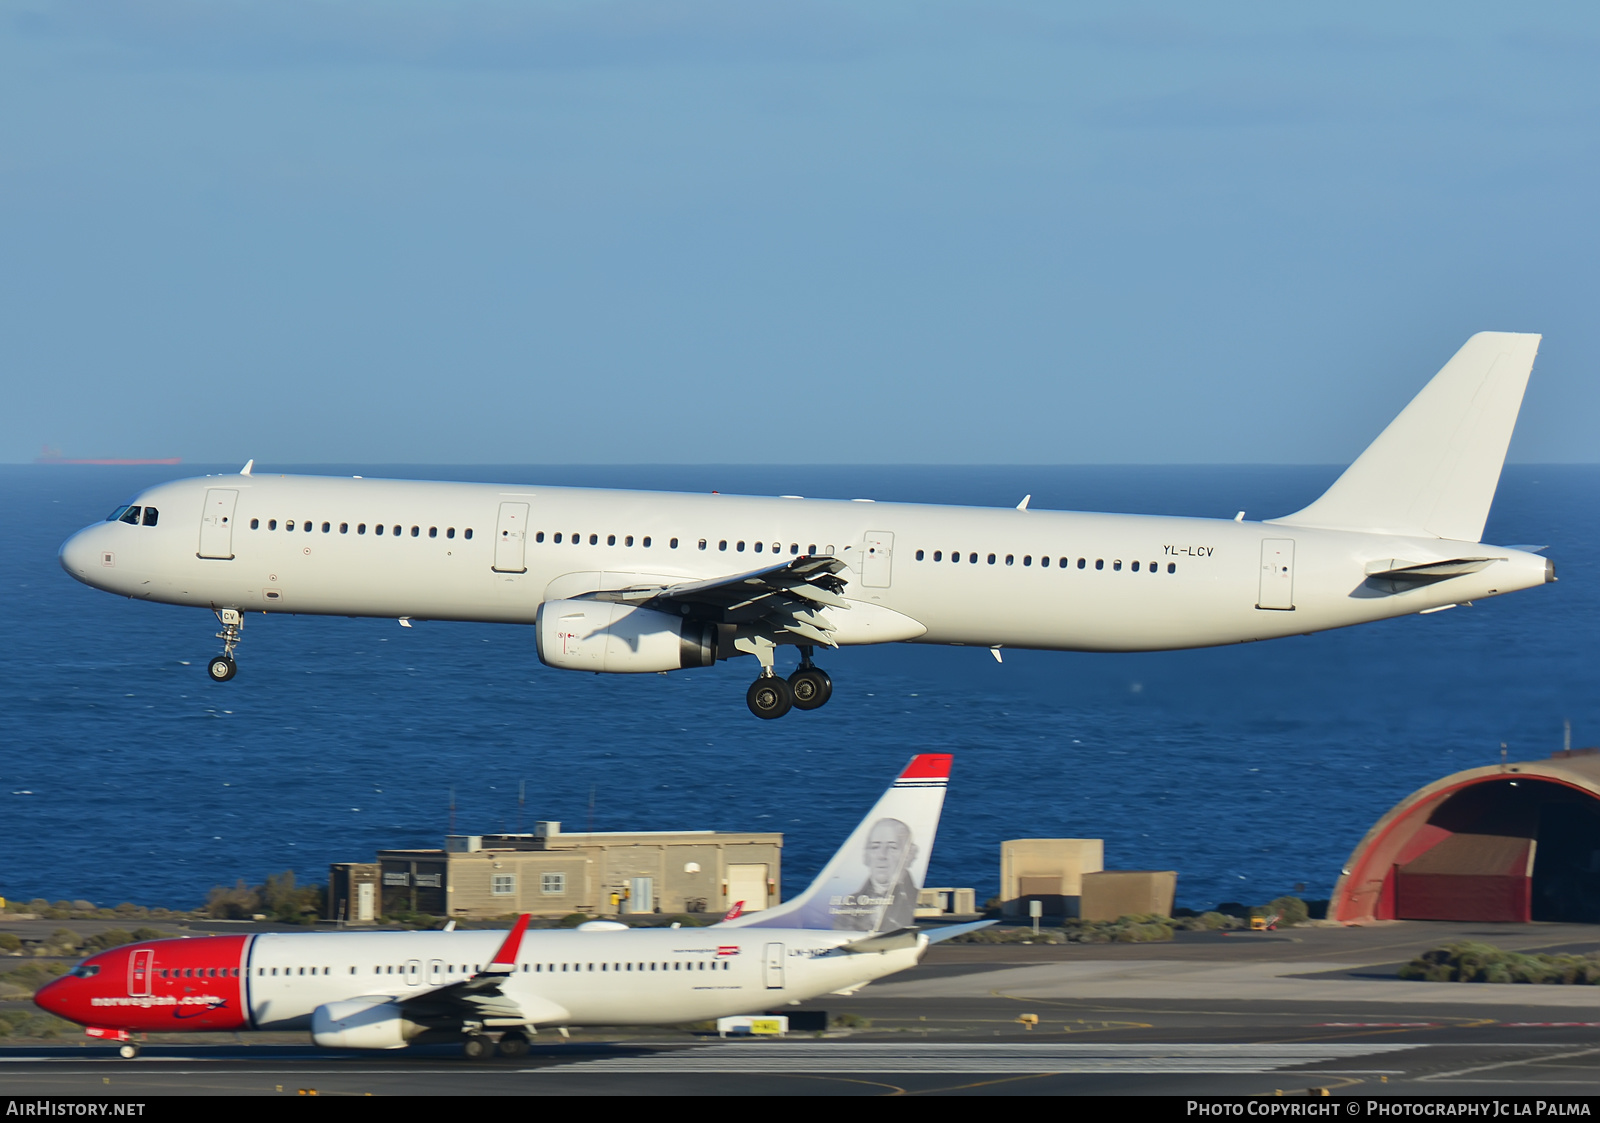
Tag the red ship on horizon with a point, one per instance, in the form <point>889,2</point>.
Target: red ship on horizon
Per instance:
<point>53,456</point>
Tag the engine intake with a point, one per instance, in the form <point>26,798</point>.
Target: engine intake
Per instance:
<point>589,635</point>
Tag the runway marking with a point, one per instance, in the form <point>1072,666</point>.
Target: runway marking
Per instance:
<point>1509,1064</point>
<point>948,1058</point>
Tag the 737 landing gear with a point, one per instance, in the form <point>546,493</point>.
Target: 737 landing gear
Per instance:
<point>810,684</point>
<point>512,1044</point>
<point>222,667</point>
<point>129,1051</point>
<point>769,696</point>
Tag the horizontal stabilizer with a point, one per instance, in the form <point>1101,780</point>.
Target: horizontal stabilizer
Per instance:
<point>1434,470</point>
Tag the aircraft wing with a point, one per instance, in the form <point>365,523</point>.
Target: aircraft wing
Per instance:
<point>480,997</point>
<point>789,596</point>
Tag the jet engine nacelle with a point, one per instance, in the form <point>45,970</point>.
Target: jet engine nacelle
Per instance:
<point>591,635</point>
<point>362,1023</point>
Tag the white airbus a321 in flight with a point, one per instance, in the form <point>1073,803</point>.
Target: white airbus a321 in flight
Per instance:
<point>638,581</point>
<point>386,990</point>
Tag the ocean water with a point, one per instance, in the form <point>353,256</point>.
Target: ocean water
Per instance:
<point>126,775</point>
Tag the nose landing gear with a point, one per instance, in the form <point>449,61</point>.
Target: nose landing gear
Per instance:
<point>222,667</point>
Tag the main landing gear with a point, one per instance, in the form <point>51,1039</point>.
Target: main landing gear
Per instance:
<point>129,1051</point>
<point>807,689</point>
<point>512,1043</point>
<point>222,667</point>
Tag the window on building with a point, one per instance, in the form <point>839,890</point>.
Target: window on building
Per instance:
<point>503,884</point>
<point>553,884</point>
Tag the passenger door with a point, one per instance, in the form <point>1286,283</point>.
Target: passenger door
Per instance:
<point>216,523</point>
<point>773,966</point>
<point>139,973</point>
<point>1277,574</point>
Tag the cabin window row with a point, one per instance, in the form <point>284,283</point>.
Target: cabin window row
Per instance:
<point>1044,561</point>
<point>627,540</point>
<point>199,972</point>
<point>397,531</point>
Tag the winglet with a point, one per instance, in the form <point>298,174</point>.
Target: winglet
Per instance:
<point>1023,506</point>
<point>505,960</point>
<point>928,766</point>
<point>248,464</point>
<point>736,910</point>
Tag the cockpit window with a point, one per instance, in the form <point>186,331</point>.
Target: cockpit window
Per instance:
<point>150,516</point>
<point>117,514</point>
<point>85,970</point>
<point>131,516</point>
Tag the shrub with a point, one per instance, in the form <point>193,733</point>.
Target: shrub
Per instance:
<point>148,934</point>
<point>1290,910</point>
<point>850,1021</point>
<point>1471,962</point>
<point>572,920</point>
<point>9,942</point>
<point>110,938</point>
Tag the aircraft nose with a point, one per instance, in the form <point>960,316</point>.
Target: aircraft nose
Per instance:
<point>81,555</point>
<point>52,996</point>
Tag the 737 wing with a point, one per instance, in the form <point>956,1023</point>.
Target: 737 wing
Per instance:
<point>791,596</point>
<point>481,998</point>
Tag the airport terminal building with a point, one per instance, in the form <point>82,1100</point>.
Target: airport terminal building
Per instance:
<point>554,873</point>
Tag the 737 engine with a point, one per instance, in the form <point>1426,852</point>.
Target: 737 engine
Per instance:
<point>362,1023</point>
<point>589,635</point>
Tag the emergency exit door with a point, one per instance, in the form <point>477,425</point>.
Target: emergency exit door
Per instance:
<point>877,560</point>
<point>511,539</point>
<point>1277,574</point>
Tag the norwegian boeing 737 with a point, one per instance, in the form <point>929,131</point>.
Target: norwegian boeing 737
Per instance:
<point>386,990</point>
<point>638,581</point>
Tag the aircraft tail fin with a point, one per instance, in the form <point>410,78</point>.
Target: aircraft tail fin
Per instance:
<point>1434,470</point>
<point>871,884</point>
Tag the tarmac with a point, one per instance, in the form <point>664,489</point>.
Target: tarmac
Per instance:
<point>1297,1012</point>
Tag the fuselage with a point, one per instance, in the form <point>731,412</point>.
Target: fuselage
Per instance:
<point>563,978</point>
<point>916,573</point>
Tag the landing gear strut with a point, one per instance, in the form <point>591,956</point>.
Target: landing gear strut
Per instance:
<point>810,684</point>
<point>222,667</point>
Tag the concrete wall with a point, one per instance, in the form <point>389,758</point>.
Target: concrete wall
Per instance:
<point>1049,870</point>
<point>1109,894</point>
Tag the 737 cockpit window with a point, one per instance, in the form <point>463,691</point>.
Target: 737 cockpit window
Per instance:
<point>85,971</point>
<point>130,515</point>
<point>150,516</point>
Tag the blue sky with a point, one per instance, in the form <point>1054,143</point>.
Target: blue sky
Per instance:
<point>626,231</point>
